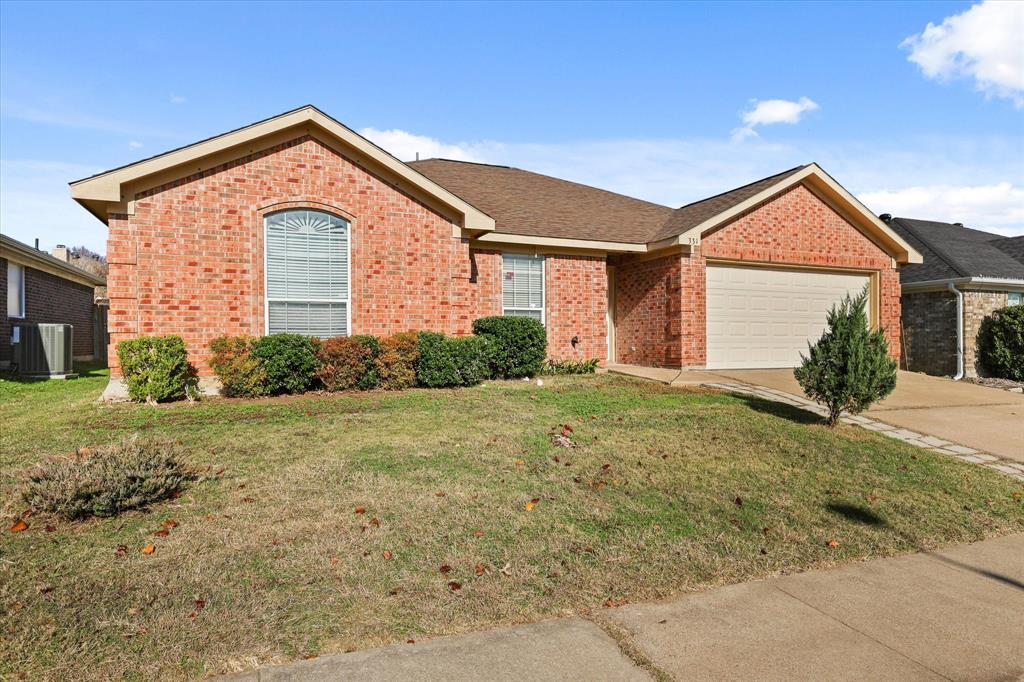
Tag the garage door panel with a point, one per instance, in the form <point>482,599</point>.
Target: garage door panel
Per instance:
<point>763,317</point>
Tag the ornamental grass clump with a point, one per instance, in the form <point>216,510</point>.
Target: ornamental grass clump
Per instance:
<point>849,367</point>
<point>108,480</point>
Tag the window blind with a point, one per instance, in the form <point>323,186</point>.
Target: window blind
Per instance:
<point>307,273</point>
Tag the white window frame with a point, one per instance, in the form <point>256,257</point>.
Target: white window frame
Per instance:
<point>543,284</point>
<point>348,260</point>
<point>1019,295</point>
<point>21,294</point>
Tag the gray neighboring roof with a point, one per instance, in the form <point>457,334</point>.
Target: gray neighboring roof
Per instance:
<point>41,257</point>
<point>954,252</point>
<point>527,203</point>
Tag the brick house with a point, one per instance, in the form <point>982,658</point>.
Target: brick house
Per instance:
<point>297,223</point>
<point>966,275</point>
<point>39,287</point>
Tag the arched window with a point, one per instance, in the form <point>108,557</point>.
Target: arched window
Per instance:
<point>307,273</point>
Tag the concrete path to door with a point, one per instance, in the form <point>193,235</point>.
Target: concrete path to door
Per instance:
<point>987,419</point>
<point>955,614</point>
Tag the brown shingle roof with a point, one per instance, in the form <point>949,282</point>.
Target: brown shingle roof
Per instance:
<point>528,203</point>
<point>694,214</point>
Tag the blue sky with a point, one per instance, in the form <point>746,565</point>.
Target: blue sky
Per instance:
<point>918,108</point>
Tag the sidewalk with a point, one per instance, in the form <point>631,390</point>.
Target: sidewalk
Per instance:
<point>957,614</point>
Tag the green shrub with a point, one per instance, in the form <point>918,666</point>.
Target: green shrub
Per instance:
<point>156,369</point>
<point>569,366</point>
<point>289,361</point>
<point>107,480</point>
<point>849,367</point>
<point>345,362</point>
<point>241,373</point>
<point>1001,346</point>
<point>456,361</point>
<point>519,345</point>
<point>396,364</point>
<point>371,378</point>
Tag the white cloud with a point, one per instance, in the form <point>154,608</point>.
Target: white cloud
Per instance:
<point>406,145</point>
<point>178,99</point>
<point>995,208</point>
<point>983,43</point>
<point>772,111</point>
<point>135,144</point>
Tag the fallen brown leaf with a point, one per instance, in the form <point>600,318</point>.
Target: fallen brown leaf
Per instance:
<point>480,569</point>
<point>121,550</point>
<point>478,533</point>
<point>455,586</point>
<point>375,521</point>
<point>19,526</point>
<point>520,462</point>
<point>532,503</point>
<point>170,523</point>
<point>833,543</point>
<point>388,554</point>
<point>149,549</point>
<point>360,510</point>
<point>162,533</point>
<point>445,568</point>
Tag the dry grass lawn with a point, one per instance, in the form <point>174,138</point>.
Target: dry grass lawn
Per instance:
<point>669,490</point>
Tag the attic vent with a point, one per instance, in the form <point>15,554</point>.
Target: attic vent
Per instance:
<point>959,224</point>
<point>885,217</point>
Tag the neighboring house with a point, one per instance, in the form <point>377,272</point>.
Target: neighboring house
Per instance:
<point>297,223</point>
<point>39,287</point>
<point>966,274</point>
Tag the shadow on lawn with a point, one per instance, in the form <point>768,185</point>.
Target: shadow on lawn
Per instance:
<point>856,513</point>
<point>867,517</point>
<point>790,412</point>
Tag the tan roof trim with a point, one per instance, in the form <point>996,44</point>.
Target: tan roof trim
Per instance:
<point>107,189</point>
<point>816,178</point>
<point>23,254</point>
<point>498,238</point>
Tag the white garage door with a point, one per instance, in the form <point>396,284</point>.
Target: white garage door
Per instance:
<point>760,317</point>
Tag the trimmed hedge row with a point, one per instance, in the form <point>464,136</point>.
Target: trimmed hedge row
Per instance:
<point>157,368</point>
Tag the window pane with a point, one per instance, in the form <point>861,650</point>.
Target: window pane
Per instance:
<point>513,312</point>
<point>522,281</point>
<point>15,290</point>
<point>311,319</point>
<point>308,266</point>
<point>1014,298</point>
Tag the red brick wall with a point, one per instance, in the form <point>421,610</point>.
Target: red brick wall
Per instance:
<point>49,299</point>
<point>576,304</point>
<point>795,228</point>
<point>189,261</point>
<point>648,303</point>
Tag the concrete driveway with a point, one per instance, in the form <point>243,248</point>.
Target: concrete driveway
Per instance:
<point>988,419</point>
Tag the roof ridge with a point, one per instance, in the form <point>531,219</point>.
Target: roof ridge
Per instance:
<point>471,163</point>
<point>550,177</point>
<point>943,256</point>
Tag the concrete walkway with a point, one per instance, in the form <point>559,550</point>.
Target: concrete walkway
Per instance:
<point>957,614</point>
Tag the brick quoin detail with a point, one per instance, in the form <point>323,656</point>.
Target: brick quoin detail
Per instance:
<point>189,261</point>
<point>794,228</point>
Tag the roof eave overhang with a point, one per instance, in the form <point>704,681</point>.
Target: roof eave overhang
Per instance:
<point>984,283</point>
<point>829,190</point>
<point>506,239</point>
<point>114,190</point>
